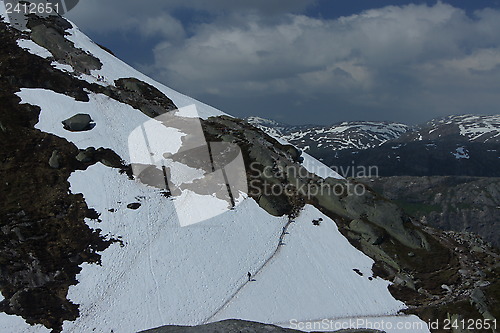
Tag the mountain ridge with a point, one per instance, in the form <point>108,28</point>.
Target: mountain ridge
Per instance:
<point>462,145</point>
<point>474,127</point>
<point>342,135</point>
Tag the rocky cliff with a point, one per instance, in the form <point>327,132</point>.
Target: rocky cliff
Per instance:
<point>464,204</point>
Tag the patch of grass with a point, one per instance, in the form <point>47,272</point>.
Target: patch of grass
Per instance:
<point>417,209</point>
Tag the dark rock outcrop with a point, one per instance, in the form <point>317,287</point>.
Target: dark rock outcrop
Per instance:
<point>78,123</point>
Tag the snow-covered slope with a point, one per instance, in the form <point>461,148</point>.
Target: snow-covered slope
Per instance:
<point>162,273</point>
<point>345,135</point>
<point>299,263</point>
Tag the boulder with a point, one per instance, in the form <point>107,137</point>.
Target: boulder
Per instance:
<point>78,123</point>
<point>134,206</point>
<point>55,160</point>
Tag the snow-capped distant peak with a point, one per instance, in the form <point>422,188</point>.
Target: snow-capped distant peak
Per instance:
<point>263,121</point>
<point>344,135</point>
<point>473,128</point>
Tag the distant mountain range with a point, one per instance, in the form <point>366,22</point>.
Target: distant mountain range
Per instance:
<point>465,145</point>
<point>344,135</point>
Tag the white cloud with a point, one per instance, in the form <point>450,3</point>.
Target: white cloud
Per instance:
<point>480,60</point>
<point>166,25</point>
<point>380,39</point>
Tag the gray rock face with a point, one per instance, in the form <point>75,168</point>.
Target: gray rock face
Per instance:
<point>367,231</point>
<point>480,302</point>
<point>78,123</point>
<point>470,204</point>
<point>50,35</point>
<point>385,215</point>
<point>374,212</point>
<point>141,96</point>
<point>238,326</point>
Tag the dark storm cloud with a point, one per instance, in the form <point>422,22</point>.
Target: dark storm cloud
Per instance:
<point>407,63</point>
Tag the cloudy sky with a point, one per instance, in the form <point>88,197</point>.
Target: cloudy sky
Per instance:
<point>312,61</point>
